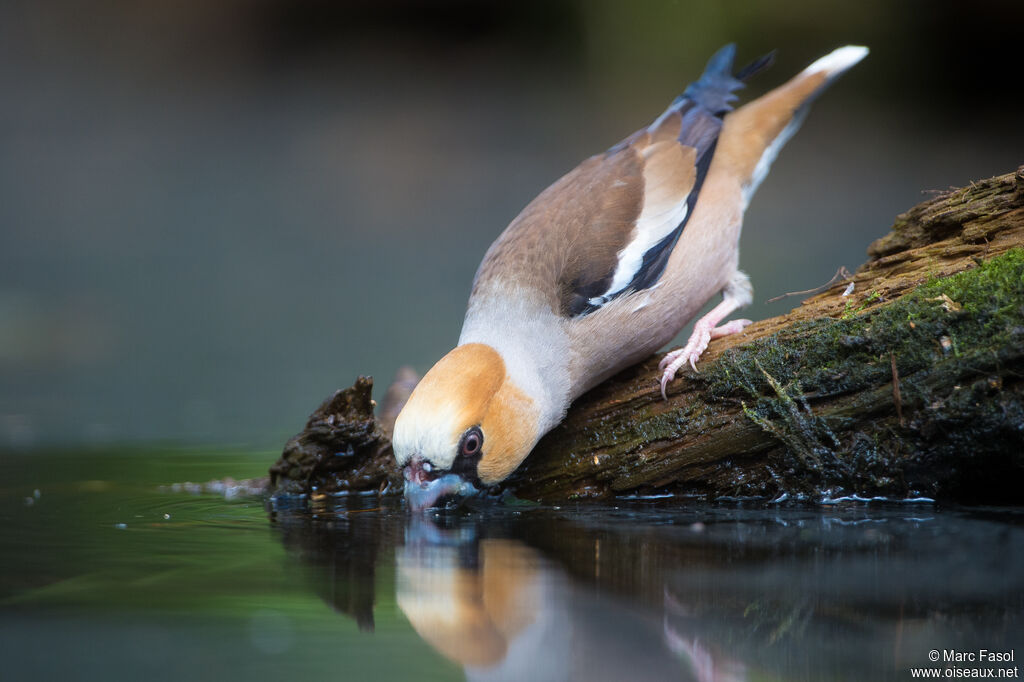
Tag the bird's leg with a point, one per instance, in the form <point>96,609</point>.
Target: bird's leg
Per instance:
<point>737,293</point>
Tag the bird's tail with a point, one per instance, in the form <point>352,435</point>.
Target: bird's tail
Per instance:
<point>716,88</point>
<point>754,133</point>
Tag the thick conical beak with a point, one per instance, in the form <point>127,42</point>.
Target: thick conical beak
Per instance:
<point>422,493</point>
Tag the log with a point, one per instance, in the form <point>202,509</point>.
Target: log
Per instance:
<point>910,386</point>
<point>342,449</point>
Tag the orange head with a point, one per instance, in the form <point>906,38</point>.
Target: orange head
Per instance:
<point>466,426</point>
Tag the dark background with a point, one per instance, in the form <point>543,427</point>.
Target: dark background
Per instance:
<point>212,214</point>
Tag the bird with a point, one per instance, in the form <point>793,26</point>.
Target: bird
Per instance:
<point>504,610</point>
<point>598,272</point>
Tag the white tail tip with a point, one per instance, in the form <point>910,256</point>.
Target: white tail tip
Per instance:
<point>839,60</point>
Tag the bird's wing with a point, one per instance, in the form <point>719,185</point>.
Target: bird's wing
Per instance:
<point>673,156</point>
<point>608,227</point>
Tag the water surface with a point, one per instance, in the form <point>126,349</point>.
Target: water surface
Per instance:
<point>107,574</point>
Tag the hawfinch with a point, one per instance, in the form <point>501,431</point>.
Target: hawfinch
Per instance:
<point>598,272</point>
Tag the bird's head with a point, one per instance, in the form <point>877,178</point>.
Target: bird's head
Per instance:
<point>466,426</point>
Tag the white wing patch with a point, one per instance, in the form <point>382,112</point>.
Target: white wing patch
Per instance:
<point>664,209</point>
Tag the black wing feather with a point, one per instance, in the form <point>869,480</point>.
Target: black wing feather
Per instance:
<point>701,107</point>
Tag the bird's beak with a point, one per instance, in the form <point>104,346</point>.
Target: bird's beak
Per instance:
<point>423,491</point>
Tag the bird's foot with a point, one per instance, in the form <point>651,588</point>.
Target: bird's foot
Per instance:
<point>703,332</point>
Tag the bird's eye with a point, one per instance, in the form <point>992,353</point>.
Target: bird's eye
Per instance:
<point>471,443</point>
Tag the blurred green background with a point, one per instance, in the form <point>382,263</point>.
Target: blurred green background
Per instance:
<point>212,214</point>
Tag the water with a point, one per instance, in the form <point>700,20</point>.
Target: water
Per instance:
<point>105,575</point>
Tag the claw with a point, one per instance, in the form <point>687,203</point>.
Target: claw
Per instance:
<point>694,348</point>
<point>735,295</point>
<point>671,363</point>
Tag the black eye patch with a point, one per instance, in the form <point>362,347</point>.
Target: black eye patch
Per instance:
<point>471,448</point>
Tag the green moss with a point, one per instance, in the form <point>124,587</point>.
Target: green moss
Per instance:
<point>830,357</point>
<point>850,311</point>
<point>967,326</point>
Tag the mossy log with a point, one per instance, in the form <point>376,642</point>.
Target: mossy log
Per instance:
<point>908,386</point>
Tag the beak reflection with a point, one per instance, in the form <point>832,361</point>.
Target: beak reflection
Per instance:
<point>424,489</point>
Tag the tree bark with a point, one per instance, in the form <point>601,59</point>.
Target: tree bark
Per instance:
<point>909,386</point>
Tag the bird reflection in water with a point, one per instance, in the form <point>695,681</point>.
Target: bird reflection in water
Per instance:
<point>712,594</point>
<point>502,610</point>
